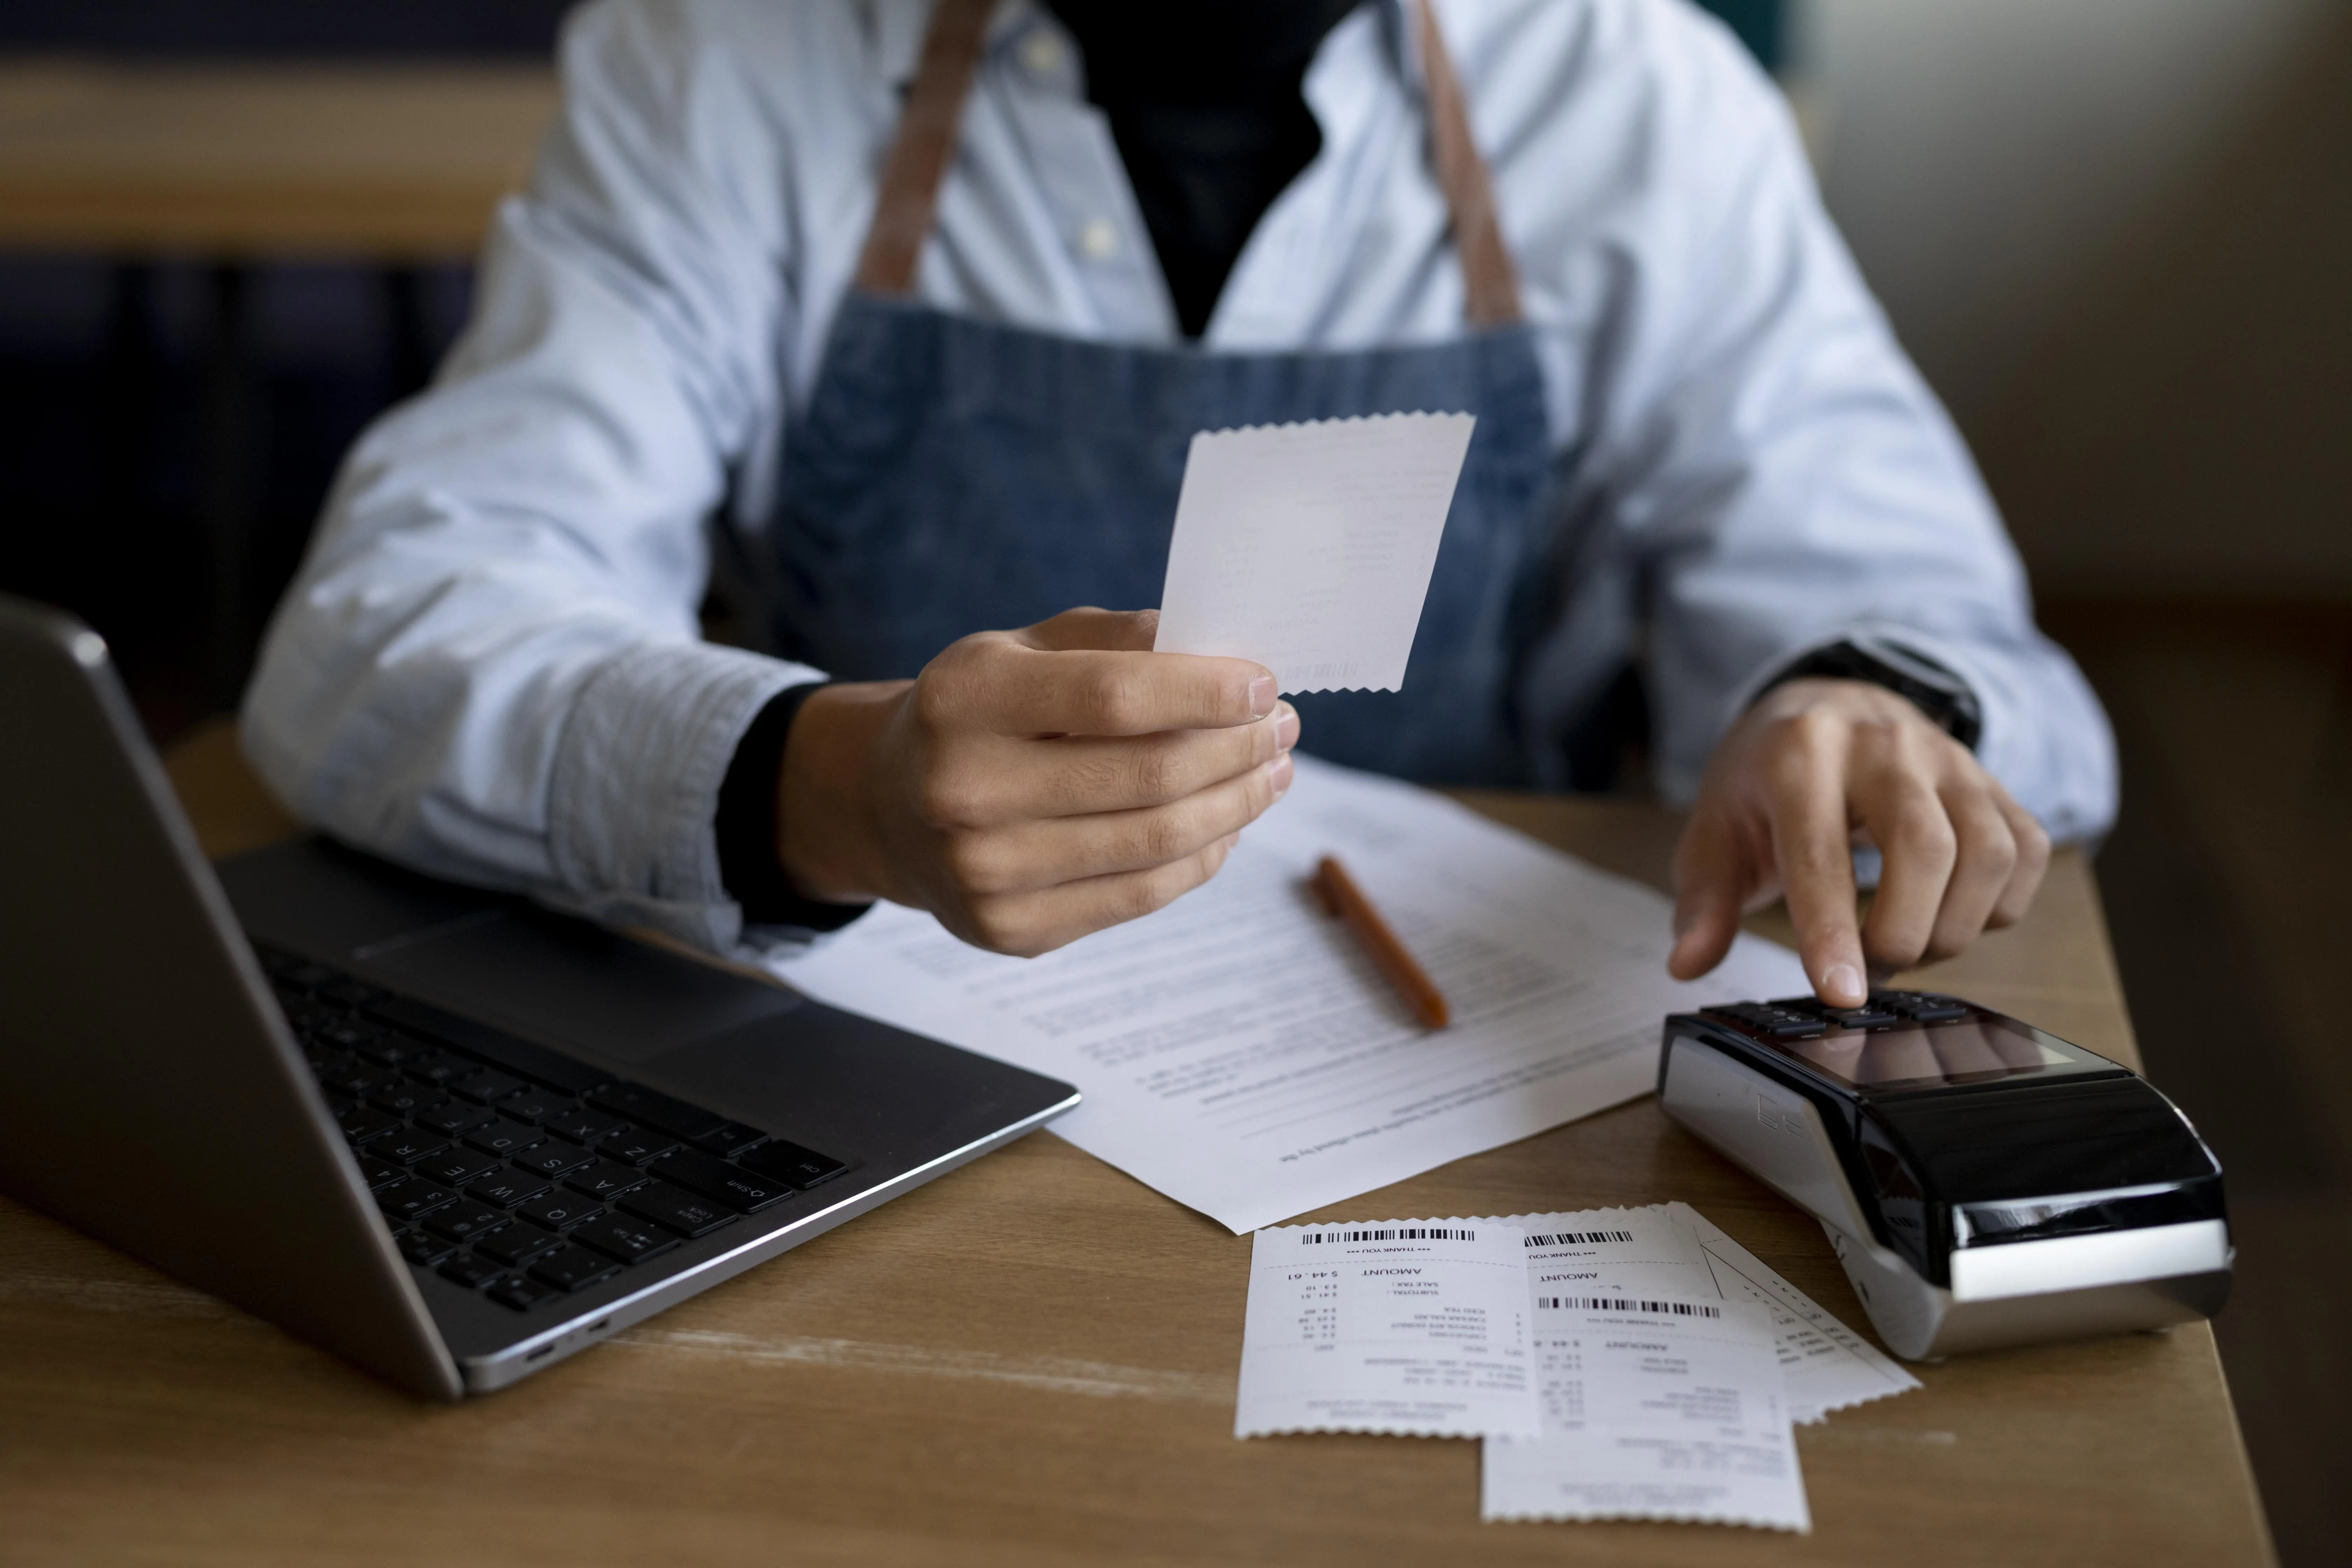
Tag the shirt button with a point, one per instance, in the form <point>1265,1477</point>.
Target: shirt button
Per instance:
<point>1097,240</point>
<point>1042,53</point>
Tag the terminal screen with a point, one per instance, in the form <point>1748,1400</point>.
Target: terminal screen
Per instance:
<point>1970,1051</point>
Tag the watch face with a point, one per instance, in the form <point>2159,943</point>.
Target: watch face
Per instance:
<point>1985,1048</point>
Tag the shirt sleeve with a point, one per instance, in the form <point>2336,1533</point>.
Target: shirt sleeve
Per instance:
<point>1768,474</point>
<point>489,666</point>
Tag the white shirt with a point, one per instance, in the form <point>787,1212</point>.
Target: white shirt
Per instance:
<point>489,665</point>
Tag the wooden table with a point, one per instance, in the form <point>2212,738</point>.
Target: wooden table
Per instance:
<point>1032,1362</point>
<point>381,162</point>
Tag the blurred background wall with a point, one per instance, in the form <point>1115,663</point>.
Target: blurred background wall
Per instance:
<point>2116,234</point>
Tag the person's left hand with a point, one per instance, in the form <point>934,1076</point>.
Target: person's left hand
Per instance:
<point>1814,768</point>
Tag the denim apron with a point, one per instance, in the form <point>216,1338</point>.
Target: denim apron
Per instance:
<point>952,475</point>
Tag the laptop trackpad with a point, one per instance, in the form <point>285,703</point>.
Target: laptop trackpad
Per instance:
<point>568,983</point>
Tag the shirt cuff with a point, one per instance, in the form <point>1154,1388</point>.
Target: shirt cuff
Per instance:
<point>634,791</point>
<point>745,829</point>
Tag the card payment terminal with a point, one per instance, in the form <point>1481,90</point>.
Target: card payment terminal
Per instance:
<point>1984,1183</point>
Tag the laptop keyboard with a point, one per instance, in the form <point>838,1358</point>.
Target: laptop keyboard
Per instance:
<point>514,1171</point>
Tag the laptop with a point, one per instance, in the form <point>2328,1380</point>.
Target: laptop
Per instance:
<point>447,1134</point>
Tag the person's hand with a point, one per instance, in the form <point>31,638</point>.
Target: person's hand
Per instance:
<point>1031,786</point>
<point>1814,768</point>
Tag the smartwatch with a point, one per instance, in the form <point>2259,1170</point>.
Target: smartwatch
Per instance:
<point>1935,691</point>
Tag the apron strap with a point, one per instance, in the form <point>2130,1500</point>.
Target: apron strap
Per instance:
<point>927,140</point>
<point>1491,289</point>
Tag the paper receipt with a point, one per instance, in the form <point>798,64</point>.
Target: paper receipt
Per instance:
<point>1308,547</point>
<point>1414,1327</point>
<point>1652,1408</point>
<point>1827,1366</point>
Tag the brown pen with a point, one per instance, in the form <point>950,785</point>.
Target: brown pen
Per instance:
<point>1337,893</point>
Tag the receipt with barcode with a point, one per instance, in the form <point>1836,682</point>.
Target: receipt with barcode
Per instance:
<point>1413,1327</point>
<point>1308,547</point>
<point>1654,1407</point>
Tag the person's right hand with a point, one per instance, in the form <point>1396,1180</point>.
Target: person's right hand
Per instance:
<point>1031,786</point>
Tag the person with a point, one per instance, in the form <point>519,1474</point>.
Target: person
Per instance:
<point>895,318</point>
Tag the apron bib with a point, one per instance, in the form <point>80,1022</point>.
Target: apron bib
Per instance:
<point>952,476</point>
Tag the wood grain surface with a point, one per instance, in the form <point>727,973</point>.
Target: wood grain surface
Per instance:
<point>1032,1361</point>
<point>395,162</point>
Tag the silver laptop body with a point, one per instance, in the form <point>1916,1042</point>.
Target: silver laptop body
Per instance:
<point>175,1077</point>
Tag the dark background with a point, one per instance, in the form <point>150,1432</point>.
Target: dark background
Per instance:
<point>2164,411</point>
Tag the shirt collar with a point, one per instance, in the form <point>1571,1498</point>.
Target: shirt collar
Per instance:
<point>896,29</point>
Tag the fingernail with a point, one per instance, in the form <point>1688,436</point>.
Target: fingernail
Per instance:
<point>1262,695</point>
<point>1279,772</point>
<point>1842,979</point>
<point>1286,727</point>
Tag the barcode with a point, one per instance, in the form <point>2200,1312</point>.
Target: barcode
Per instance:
<point>1626,1304</point>
<point>1400,1233</point>
<point>1576,1237</point>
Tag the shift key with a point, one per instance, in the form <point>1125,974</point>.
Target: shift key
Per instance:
<point>718,1179</point>
<point>674,1209</point>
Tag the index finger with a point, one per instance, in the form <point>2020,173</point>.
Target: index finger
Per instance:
<point>1813,846</point>
<point>1098,693</point>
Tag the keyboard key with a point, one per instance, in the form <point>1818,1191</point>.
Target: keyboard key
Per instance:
<point>406,1146</point>
<point>387,1049</point>
<point>454,1118</point>
<point>638,1103</point>
<point>380,1174</point>
<point>627,1240</point>
<point>344,1035</point>
<point>788,1162</point>
<point>504,1137</point>
<point>552,1159</point>
<point>521,1292</point>
<point>465,1220</point>
<point>605,1180</point>
<point>307,1018</point>
<point>362,1126</point>
<point>439,1067</point>
<point>470,1271</point>
<point>356,1083</point>
<point>424,1248</point>
<point>584,1126</point>
<point>455,1167</point>
<point>412,1199</point>
<point>516,1243</point>
<point>573,1269</point>
<point>493,1046</point>
<point>635,1146</point>
<point>506,1188</point>
<point>536,1106</point>
<point>677,1210</point>
<point>716,1179</point>
<point>558,1210</point>
<point>485,1086</point>
<point>728,1139</point>
<point>406,1099</point>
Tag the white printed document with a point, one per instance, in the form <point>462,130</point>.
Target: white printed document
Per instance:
<point>1308,547</point>
<point>1239,1051</point>
<point>1652,1408</point>
<point>1416,1327</point>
